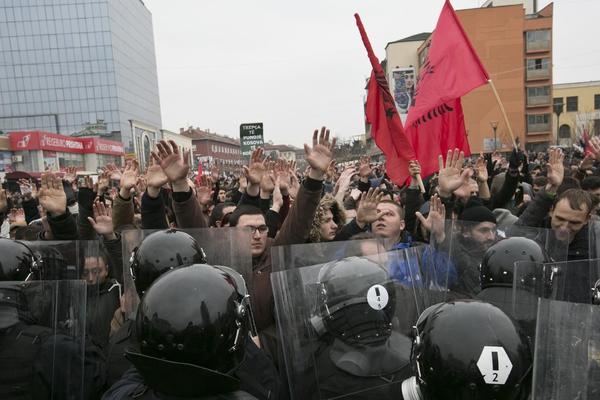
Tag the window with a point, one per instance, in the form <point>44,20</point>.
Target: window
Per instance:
<point>572,103</point>
<point>538,123</point>
<point>597,102</point>
<point>538,40</point>
<point>538,91</point>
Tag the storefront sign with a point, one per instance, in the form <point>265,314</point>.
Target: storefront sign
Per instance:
<point>37,140</point>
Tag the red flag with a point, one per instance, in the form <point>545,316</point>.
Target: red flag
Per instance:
<point>199,176</point>
<point>381,113</point>
<point>587,148</point>
<point>435,121</point>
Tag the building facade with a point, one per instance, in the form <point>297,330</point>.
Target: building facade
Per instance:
<point>66,64</point>
<point>212,149</point>
<point>38,151</point>
<point>579,105</point>
<point>281,151</point>
<point>515,46</point>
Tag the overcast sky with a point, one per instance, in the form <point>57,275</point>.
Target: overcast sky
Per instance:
<point>298,65</point>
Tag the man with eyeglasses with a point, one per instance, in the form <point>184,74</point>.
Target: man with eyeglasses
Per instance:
<point>294,230</point>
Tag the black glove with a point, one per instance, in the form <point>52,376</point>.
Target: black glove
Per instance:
<point>86,197</point>
<point>516,158</point>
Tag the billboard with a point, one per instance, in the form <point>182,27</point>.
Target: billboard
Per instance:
<point>402,84</point>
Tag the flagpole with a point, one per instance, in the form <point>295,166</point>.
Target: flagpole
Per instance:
<point>512,136</point>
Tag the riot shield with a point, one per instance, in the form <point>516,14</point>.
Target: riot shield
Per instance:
<point>567,352</point>
<point>466,243</point>
<point>570,281</point>
<point>306,254</point>
<point>229,247</point>
<point>43,358</point>
<point>345,325</point>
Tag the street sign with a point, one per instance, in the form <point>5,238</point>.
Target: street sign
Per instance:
<point>251,137</point>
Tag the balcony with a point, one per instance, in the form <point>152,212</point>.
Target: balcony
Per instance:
<point>537,101</point>
<point>538,128</point>
<point>533,74</point>
<point>538,45</point>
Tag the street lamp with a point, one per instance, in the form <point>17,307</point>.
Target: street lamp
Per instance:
<point>558,109</point>
<point>494,125</point>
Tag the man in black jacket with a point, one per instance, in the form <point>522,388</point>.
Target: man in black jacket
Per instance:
<point>567,213</point>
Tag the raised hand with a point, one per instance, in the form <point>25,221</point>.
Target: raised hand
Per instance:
<point>204,190</point>
<point>414,168</point>
<point>592,153</point>
<point>481,168</point>
<point>52,195</point>
<point>155,176</point>
<point>277,196</point>
<point>320,156</point>
<point>214,173</point>
<point>130,175</point>
<point>435,221</point>
<point>366,212</point>
<point>174,163</point>
<point>343,181</point>
<point>70,174</point>
<point>257,168</point>
<point>102,221</point>
<point>267,184</point>
<point>556,170</point>
<point>365,170</point>
<point>114,172</point>
<point>450,177</point>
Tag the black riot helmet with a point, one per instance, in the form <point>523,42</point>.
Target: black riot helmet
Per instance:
<point>356,301</point>
<point>498,264</point>
<point>160,252</point>
<point>52,264</point>
<point>468,350</point>
<point>191,327</point>
<point>17,261</point>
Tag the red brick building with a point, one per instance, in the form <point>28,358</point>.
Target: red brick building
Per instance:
<point>210,148</point>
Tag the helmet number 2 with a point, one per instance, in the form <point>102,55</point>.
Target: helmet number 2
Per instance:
<point>494,365</point>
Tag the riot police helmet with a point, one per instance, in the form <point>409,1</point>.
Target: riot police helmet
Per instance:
<point>162,251</point>
<point>467,349</point>
<point>498,263</point>
<point>17,260</point>
<point>191,328</point>
<point>356,301</point>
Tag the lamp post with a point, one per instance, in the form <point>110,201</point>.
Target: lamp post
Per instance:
<point>494,125</point>
<point>558,109</point>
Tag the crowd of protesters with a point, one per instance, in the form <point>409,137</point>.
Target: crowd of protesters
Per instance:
<point>280,205</point>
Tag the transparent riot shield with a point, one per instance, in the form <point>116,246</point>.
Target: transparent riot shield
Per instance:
<point>305,254</point>
<point>228,247</point>
<point>569,281</point>
<point>466,243</point>
<point>43,355</point>
<point>594,238</point>
<point>567,352</point>
<point>345,325</point>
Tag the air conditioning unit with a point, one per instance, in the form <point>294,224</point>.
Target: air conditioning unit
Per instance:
<point>16,159</point>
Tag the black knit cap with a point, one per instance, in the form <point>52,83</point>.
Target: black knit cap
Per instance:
<point>477,214</point>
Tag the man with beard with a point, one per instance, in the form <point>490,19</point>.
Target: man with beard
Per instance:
<point>475,235</point>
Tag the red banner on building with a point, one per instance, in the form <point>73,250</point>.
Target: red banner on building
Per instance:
<point>102,146</point>
<point>38,140</point>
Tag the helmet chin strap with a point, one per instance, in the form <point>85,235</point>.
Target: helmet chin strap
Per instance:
<point>411,390</point>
